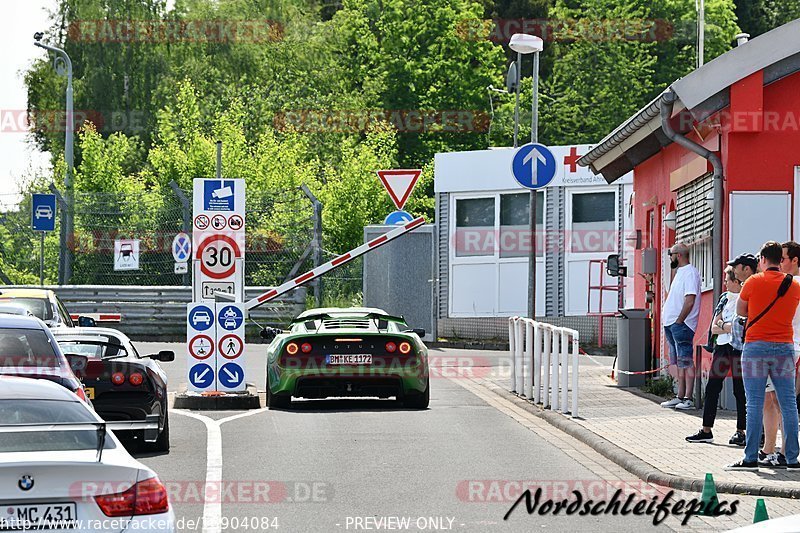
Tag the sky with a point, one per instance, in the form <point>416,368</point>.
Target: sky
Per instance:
<point>18,155</point>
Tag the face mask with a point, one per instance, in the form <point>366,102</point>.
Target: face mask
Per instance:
<point>674,263</point>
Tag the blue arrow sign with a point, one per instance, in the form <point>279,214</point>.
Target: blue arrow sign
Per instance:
<point>230,318</point>
<point>43,212</point>
<point>201,375</point>
<point>533,166</point>
<point>181,247</point>
<point>231,375</point>
<point>201,318</point>
<point>398,217</point>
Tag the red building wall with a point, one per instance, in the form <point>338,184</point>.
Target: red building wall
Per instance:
<point>759,139</point>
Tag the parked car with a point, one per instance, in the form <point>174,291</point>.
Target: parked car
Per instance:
<point>12,309</point>
<point>28,349</point>
<point>122,384</point>
<point>79,479</point>
<point>338,352</point>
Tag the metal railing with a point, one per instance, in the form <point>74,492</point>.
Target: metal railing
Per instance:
<point>159,312</point>
<point>540,355</point>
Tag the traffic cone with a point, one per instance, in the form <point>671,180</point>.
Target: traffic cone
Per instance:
<point>761,511</point>
<point>709,497</point>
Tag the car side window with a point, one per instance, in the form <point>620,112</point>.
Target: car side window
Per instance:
<point>63,313</point>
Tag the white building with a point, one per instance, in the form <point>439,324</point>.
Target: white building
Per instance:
<point>484,243</point>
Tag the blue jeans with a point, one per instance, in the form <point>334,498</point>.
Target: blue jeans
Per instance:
<point>680,339</point>
<point>775,359</point>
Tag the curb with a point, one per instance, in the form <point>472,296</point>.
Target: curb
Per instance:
<point>495,346</point>
<point>230,402</point>
<point>641,469</point>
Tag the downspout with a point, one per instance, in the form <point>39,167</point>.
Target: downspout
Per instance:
<point>667,103</point>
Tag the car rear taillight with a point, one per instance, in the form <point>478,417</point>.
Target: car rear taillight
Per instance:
<point>136,379</point>
<point>117,378</point>
<point>146,497</point>
<point>305,347</point>
<point>391,347</point>
<point>405,348</point>
<point>291,348</point>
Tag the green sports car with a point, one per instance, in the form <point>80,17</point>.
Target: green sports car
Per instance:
<point>358,351</point>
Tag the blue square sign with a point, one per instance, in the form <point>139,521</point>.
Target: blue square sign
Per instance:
<point>43,212</point>
<point>218,195</point>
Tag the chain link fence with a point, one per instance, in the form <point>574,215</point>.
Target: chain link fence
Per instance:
<point>282,229</point>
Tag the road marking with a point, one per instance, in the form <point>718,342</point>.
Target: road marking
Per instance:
<point>212,510</point>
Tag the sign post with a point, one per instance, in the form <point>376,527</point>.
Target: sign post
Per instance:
<point>43,219</point>
<point>534,167</point>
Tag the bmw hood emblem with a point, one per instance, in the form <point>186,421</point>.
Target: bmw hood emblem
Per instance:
<point>25,483</point>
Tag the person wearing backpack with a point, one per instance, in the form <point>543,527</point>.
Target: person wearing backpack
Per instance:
<point>727,357</point>
<point>769,300</point>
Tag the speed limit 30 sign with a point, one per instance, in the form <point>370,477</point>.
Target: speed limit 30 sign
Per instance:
<point>217,255</point>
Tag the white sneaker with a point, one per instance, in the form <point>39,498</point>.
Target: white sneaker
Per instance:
<point>672,403</point>
<point>685,405</point>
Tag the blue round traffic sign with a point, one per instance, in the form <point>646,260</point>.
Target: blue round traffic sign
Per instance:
<point>181,247</point>
<point>230,318</point>
<point>201,318</point>
<point>533,166</point>
<point>398,217</point>
<point>231,375</point>
<point>201,375</point>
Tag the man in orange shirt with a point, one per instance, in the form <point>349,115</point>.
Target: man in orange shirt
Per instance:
<point>769,300</point>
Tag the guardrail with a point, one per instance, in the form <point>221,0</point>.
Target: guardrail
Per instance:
<point>540,355</point>
<point>159,312</point>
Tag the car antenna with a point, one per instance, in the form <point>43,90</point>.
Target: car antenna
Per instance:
<point>101,441</point>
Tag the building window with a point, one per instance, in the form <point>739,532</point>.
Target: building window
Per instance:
<point>474,227</point>
<point>695,219</point>
<point>515,238</point>
<point>594,222</point>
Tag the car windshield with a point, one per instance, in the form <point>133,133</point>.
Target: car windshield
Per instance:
<point>26,348</point>
<point>40,307</point>
<point>99,348</point>
<point>22,412</point>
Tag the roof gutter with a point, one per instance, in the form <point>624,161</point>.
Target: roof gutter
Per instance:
<point>667,103</point>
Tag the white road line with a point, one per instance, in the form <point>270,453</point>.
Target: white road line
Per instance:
<point>212,510</point>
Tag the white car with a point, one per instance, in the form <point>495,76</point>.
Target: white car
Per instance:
<point>60,469</point>
<point>44,211</point>
<point>201,316</point>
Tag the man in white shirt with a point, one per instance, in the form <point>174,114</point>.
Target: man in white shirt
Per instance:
<point>679,317</point>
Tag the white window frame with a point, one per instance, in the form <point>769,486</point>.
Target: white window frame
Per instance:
<point>701,252</point>
<point>571,256</point>
<point>494,259</point>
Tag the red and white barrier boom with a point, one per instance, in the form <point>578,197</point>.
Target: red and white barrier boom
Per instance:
<point>335,263</point>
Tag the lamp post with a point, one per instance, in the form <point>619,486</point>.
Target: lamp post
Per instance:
<point>63,67</point>
<point>522,43</point>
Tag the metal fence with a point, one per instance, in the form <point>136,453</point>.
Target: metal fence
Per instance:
<point>159,312</point>
<point>283,237</point>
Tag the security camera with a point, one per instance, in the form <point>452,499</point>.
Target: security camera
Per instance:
<point>38,36</point>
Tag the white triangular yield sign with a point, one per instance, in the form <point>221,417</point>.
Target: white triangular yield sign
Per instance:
<point>399,184</point>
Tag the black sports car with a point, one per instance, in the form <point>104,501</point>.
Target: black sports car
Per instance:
<point>121,384</point>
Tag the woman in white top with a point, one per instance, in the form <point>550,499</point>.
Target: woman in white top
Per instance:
<point>727,357</point>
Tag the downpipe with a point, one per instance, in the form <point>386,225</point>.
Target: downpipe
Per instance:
<point>667,104</point>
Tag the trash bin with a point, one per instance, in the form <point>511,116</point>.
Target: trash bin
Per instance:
<point>633,346</point>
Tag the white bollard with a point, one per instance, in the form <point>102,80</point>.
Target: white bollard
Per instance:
<point>512,349</point>
<point>575,363</point>
<point>546,367</point>
<point>519,344</point>
<point>554,358</point>
<point>564,367</point>
<point>537,363</point>
<point>529,340</point>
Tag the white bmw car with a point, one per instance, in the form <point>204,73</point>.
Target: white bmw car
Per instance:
<point>61,468</point>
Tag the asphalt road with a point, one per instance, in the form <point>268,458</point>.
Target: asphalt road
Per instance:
<point>366,465</point>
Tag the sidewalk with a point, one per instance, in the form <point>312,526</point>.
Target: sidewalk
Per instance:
<point>633,430</point>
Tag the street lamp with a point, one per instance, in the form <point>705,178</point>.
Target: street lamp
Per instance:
<point>522,43</point>
<point>63,67</point>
